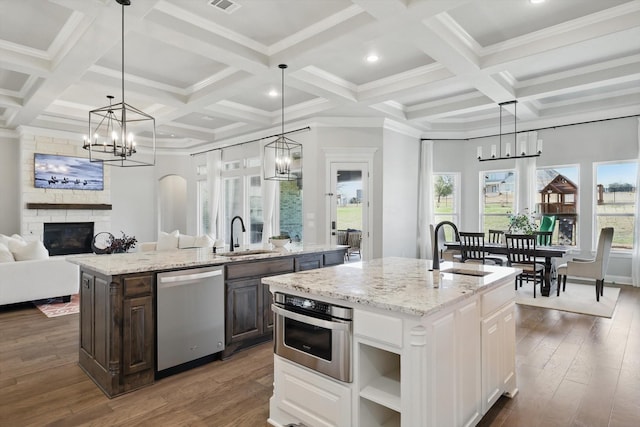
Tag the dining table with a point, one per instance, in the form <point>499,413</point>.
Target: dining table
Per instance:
<point>547,252</point>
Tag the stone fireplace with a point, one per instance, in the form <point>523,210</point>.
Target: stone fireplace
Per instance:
<point>41,206</point>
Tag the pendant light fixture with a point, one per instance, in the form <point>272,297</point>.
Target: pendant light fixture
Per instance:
<point>113,129</point>
<point>521,151</point>
<point>280,154</point>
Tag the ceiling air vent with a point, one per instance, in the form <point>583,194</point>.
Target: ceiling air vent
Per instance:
<point>226,6</point>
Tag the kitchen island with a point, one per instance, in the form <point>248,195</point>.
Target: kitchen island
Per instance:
<point>119,304</point>
<point>428,348</point>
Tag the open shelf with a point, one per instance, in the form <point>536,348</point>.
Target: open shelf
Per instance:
<point>384,390</point>
<point>374,415</point>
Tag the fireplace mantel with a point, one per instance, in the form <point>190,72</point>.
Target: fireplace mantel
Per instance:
<point>83,206</point>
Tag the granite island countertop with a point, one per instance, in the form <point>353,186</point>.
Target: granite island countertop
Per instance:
<point>396,284</point>
<point>138,262</point>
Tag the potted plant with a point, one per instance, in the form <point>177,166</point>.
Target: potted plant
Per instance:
<point>122,244</point>
<point>522,223</point>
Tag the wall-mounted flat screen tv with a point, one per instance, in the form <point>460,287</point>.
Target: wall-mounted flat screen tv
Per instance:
<point>67,173</point>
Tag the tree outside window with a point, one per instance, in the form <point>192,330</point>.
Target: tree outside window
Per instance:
<point>446,200</point>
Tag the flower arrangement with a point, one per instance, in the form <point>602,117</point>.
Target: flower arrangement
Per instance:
<point>122,244</point>
<point>523,223</point>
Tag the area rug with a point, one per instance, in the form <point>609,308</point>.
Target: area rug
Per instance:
<point>54,307</point>
<point>576,299</point>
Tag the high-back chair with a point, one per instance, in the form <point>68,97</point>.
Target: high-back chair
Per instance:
<point>521,252</point>
<point>590,268</point>
<point>544,237</point>
<point>472,247</point>
<point>547,223</point>
<point>497,237</point>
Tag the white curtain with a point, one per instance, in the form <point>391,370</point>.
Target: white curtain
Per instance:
<point>425,200</point>
<point>214,182</point>
<point>269,189</point>
<point>526,173</point>
<point>635,258</point>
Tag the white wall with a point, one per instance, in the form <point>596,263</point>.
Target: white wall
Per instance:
<point>400,166</point>
<point>9,186</point>
<point>133,196</point>
<point>571,145</point>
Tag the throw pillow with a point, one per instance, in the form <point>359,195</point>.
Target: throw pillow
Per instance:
<point>203,242</point>
<point>6,240</point>
<point>186,241</point>
<point>168,241</point>
<point>5,254</point>
<point>29,251</point>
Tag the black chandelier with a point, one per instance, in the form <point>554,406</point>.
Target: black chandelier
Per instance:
<point>280,154</point>
<point>521,153</point>
<point>112,129</point>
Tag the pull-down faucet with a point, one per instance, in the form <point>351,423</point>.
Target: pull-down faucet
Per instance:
<point>243,230</point>
<point>436,250</point>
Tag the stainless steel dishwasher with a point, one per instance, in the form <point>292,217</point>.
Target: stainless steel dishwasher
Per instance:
<point>190,318</point>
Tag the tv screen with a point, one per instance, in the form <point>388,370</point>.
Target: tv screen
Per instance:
<point>67,173</point>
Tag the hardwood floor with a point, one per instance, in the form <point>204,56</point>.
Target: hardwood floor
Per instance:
<point>573,370</point>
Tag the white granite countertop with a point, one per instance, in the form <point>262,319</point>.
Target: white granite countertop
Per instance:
<point>397,284</point>
<point>138,262</point>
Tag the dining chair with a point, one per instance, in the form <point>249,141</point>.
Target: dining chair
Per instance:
<point>589,268</point>
<point>521,250</point>
<point>472,247</point>
<point>497,237</point>
<point>544,237</point>
<point>354,238</point>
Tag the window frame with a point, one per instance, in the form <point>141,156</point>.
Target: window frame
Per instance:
<point>481,199</point>
<point>456,199</point>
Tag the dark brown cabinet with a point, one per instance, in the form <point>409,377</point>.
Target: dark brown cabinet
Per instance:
<point>117,331</point>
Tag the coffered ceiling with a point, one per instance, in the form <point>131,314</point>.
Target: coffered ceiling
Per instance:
<point>205,73</point>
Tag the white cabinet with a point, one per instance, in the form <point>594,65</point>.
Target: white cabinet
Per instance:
<point>301,395</point>
<point>498,346</point>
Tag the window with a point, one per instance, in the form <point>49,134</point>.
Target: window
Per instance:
<point>498,199</point>
<point>446,200</point>
<point>242,196</point>
<point>557,190</point>
<point>615,201</point>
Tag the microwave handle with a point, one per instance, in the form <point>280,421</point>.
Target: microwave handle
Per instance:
<point>335,325</point>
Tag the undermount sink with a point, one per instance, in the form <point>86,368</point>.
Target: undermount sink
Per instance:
<point>463,272</point>
<point>236,254</point>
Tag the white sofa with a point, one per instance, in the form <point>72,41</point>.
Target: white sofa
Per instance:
<point>175,240</point>
<point>22,281</point>
<point>27,272</point>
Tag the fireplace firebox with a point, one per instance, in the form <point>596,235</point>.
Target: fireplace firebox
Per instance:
<point>68,238</point>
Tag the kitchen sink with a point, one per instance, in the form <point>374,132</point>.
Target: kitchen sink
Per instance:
<point>464,272</point>
<point>236,254</point>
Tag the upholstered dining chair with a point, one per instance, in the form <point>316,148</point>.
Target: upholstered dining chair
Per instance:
<point>521,252</point>
<point>472,247</point>
<point>589,268</point>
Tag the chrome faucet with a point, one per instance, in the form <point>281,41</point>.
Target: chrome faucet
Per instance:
<point>243,230</point>
<point>435,265</point>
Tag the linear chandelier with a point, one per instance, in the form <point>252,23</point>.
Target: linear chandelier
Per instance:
<point>496,152</point>
<point>280,154</point>
<point>112,129</point>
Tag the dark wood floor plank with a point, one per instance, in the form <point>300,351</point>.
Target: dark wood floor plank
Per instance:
<point>572,370</point>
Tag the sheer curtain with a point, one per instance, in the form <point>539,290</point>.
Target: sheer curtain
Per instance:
<point>425,199</point>
<point>214,165</point>
<point>268,197</point>
<point>635,258</point>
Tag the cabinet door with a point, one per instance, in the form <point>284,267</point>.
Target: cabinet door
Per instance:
<point>507,316</point>
<point>244,317</point>
<point>491,360</point>
<point>267,300</point>
<point>468,381</point>
<point>86,313</point>
<point>137,335</point>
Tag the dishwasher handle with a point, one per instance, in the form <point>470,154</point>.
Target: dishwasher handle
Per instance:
<point>184,279</point>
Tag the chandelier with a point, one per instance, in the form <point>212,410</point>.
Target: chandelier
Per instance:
<point>112,129</point>
<point>280,154</point>
<point>496,152</point>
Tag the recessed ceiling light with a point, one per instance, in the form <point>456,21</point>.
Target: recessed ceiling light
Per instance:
<point>372,58</point>
<point>273,93</point>
<point>536,1</point>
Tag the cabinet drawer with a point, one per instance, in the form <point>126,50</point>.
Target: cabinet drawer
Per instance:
<point>137,285</point>
<point>308,262</point>
<point>496,298</point>
<point>259,268</point>
<point>378,327</point>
